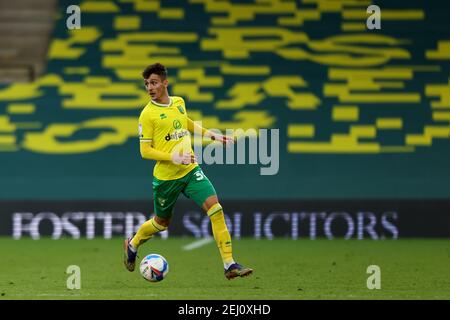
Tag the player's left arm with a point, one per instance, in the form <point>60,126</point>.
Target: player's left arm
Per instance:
<point>195,127</point>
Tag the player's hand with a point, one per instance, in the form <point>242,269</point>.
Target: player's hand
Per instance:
<point>226,140</point>
<point>185,158</point>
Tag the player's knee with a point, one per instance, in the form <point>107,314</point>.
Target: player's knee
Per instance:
<point>209,202</point>
<point>162,222</point>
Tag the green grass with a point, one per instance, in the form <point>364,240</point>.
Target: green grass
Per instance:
<point>284,269</point>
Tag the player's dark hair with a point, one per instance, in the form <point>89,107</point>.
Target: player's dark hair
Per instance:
<point>156,68</point>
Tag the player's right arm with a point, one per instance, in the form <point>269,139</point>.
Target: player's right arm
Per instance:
<point>146,140</point>
<point>149,152</point>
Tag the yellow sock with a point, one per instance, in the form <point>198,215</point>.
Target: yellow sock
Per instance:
<point>220,232</point>
<point>146,231</point>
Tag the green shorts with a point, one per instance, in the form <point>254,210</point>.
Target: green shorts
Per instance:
<point>195,185</point>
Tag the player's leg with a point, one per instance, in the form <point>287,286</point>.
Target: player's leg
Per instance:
<point>148,229</point>
<point>220,231</point>
<point>165,194</point>
<point>201,190</point>
<point>223,239</point>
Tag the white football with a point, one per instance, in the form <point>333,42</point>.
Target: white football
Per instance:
<point>154,267</point>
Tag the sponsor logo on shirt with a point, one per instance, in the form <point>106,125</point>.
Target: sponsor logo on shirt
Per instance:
<point>176,135</point>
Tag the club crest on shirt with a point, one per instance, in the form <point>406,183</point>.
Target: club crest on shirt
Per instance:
<point>177,124</point>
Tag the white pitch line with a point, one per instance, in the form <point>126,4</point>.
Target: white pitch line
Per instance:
<point>197,244</point>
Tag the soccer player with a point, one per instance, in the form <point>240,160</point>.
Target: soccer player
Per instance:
<point>164,133</point>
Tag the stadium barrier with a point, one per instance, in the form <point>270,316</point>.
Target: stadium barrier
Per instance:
<point>329,219</point>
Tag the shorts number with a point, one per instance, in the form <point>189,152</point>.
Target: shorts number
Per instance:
<point>199,175</point>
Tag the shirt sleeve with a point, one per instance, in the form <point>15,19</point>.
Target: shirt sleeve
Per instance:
<point>145,127</point>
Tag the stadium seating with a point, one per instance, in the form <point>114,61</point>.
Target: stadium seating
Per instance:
<point>345,98</point>
<point>25,31</point>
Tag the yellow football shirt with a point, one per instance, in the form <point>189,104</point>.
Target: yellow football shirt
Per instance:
<point>166,126</point>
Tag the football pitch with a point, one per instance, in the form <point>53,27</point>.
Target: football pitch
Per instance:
<point>284,270</point>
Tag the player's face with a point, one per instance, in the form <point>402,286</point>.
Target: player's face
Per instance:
<point>156,87</point>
